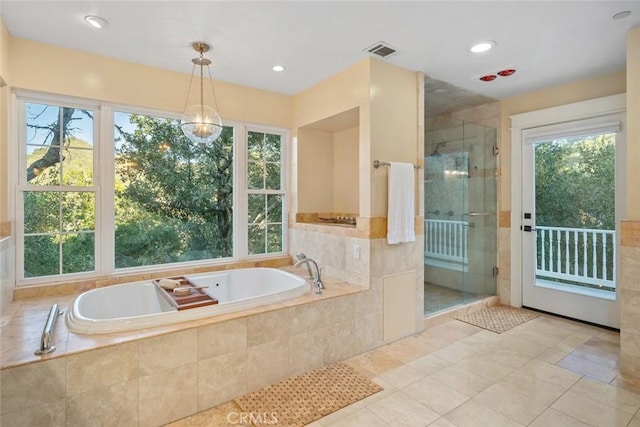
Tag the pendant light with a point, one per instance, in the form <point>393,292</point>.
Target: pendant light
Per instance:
<point>201,123</point>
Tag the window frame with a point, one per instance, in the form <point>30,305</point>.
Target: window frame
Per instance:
<point>104,187</point>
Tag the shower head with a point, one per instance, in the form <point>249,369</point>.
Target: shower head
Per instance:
<point>436,152</point>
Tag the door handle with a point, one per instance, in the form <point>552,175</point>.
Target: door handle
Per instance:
<point>528,228</point>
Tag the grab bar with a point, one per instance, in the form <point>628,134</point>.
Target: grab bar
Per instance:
<point>47,332</point>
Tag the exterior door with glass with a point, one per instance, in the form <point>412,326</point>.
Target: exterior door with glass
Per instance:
<point>569,221</point>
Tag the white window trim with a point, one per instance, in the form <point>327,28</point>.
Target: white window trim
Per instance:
<point>524,127</point>
<point>104,176</point>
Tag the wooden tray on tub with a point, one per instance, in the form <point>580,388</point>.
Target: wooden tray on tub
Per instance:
<point>197,297</point>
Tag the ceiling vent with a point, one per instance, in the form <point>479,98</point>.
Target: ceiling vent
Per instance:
<point>381,49</point>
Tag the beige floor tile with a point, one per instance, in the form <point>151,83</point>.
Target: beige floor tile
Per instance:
<point>635,422</point>
<point>435,395</point>
<point>588,368</point>
<point>511,404</point>
<point>475,414</point>
<point>608,394</point>
<point>360,418</point>
<point>408,349</point>
<point>534,388</point>
<point>627,382</point>
<point>485,367</point>
<point>506,357</point>
<point>227,414</point>
<point>401,410</point>
<point>402,376</point>
<point>462,380</point>
<point>337,415</point>
<point>429,364</point>
<point>442,422</point>
<point>373,363</point>
<point>552,355</point>
<point>551,417</point>
<point>591,411</point>
<point>551,373</point>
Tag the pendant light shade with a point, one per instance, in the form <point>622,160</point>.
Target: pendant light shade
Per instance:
<point>201,123</point>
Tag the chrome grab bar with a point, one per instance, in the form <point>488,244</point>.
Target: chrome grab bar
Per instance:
<point>47,332</point>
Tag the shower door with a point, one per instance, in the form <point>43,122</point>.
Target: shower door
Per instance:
<point>460,213</point>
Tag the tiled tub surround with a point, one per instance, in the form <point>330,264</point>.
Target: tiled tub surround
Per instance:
<point>7,272</point>
<point>153,376</point>
<point>335,247</point>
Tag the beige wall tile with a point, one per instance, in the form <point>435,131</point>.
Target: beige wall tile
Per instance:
<point>630,233</point>
<point>267,363</point>
<point>304,318</point>
<point>265,327</point>
<point>306,351</point>
<point>361,265</point>
<point>222,338</point>
<point>629,353</point>
<point>339,341</point>
<point>221,378</point>
<point>168,395</point>
<point>368,331</point>
<point>167,351</point>
<point>31,385</point>
<point>115,405</point>
<point>630,268</point>
<point>99,368</point>
<point>630,311</point>
<point>49,414</point>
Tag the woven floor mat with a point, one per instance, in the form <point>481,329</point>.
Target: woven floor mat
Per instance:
<point>303,399</point>
<point>498,318</point>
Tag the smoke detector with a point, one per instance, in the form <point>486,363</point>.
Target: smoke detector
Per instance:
<point>381,50</point>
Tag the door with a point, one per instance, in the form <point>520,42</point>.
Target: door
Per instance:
<point>569,219</point>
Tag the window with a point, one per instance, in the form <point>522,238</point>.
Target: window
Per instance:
<point>265,195</point>
<point>173,200</point>
<point>139,194</point>
<point>58,192</point>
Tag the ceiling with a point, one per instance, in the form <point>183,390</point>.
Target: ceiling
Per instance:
<point>547,42</point>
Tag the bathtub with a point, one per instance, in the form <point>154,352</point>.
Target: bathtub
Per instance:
<point>140,305</point>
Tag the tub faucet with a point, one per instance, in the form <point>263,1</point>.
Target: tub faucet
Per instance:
<point>317,278</point>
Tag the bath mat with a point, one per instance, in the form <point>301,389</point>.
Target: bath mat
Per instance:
<point>498,318</point>
<point>301,400</point>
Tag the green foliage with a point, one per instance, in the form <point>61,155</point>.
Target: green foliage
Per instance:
<point>575,183</point>
<point>173,200</point>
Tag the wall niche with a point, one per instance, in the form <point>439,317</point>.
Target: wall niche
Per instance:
<point>328,169</point>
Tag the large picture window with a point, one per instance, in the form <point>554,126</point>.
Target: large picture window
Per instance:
<point>173,200</point>
<point>139,193</point>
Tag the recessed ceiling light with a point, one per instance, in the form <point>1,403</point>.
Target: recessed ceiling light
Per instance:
<point>622,14</point>
<point>96,21</point>
<point>277,68</point>
<point>482,46</point>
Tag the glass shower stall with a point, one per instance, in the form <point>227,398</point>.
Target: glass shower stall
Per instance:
<point>461,221</point>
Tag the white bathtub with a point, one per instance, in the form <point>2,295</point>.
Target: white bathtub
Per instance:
<point>139,305</point>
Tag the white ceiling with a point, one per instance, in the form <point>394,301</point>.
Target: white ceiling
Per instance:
<point>548,42</point>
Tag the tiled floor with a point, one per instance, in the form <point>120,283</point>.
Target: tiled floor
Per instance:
<point>438,298</point>
<point>547,372</point>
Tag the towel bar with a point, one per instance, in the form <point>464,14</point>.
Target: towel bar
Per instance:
<point>378,163</point>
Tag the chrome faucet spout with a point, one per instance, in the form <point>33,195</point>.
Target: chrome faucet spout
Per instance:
<point>317,278</point>
<point>302,259</point>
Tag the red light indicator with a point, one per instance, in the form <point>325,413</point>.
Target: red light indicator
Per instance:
<point>488,78</point>
<point>506,73</point>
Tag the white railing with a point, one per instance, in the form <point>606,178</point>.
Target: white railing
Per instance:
<point>446,241</point>
<point>576,255</point>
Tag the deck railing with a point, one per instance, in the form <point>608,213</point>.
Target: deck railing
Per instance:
<point>576,255</point>
<point>446,240</point>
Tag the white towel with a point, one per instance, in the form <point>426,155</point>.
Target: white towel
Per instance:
<point>400,216</point>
